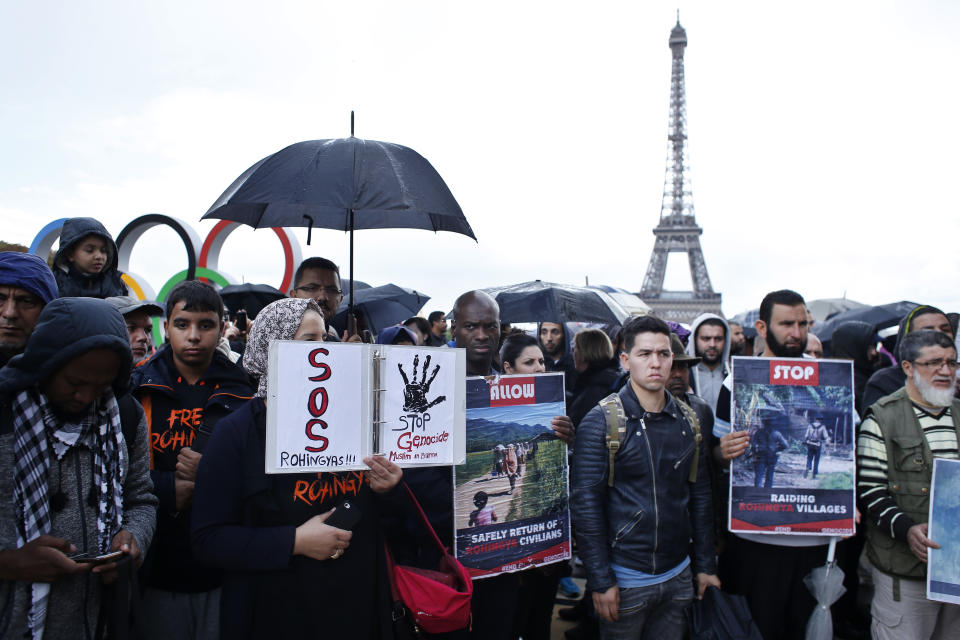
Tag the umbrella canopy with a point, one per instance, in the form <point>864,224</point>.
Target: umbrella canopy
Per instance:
<point>540,301</point>
<point>250,297</point>
<point>319,183</point>
<point>825,308</point>
<point>345,183</point>
<point>747,320</point>
<point>382,306</point>
<point>880,316</point>
<point>630,302</point>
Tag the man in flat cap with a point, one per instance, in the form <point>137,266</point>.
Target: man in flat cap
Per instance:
<point>139,315</point>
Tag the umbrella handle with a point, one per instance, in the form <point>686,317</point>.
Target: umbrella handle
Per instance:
<point>832,549</point>
<point>309,227</point>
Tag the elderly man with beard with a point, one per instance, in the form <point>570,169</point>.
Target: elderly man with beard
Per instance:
<point>768,569</point>
<point>898,439</point>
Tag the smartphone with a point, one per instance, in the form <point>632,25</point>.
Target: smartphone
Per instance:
<point>346,516</point>
<point>93,558</point>
<point>241,320</point>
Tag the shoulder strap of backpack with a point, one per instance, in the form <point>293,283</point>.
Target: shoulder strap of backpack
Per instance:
<point>129,418</point>
<point>615,417</point>
<point>697,436</point>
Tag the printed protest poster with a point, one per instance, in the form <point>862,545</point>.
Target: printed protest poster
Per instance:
<point>318,398</point>
<point>943,564</point>
<point>423,405</point>
<point>797,475</point>
<point>511,506</point>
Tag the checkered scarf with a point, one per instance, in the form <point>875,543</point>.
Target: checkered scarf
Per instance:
<point>40,435</point>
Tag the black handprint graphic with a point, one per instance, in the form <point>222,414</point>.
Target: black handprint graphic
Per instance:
<point>415,393</point>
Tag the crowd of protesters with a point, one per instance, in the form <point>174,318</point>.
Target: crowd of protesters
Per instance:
<point>133,472</point>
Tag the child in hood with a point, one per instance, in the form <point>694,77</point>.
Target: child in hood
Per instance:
<point>86,263</point>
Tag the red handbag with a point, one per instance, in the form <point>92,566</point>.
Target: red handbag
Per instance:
<point>437,600</point>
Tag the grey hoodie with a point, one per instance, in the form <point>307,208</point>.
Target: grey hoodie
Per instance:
<point>67,328</point>
<point>706,383</point>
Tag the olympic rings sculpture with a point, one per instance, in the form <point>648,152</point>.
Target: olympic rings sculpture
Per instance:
<point>202,258</point>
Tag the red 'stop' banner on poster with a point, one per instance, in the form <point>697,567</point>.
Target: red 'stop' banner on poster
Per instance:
<point>792,372</point>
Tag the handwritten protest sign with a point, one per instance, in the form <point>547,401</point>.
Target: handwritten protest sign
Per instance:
<point>943,566</point>
<point>511,505</point>
<point>318,397</point>
<point>323,400</point>
<point>797,475</point>
<point>423,405</point>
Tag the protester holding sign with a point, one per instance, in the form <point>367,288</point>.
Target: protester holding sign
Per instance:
<point>768,569</point>
<point>900,436</point>
<point>288,574</point>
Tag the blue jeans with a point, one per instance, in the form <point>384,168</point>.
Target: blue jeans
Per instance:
<point>654,613</point>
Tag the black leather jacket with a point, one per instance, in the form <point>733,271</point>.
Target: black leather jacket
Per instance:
<point>647,519</point>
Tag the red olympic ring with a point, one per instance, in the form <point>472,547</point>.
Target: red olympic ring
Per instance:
<point>210,251</point>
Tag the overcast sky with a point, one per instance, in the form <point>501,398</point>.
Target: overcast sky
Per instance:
<point>823,135</point>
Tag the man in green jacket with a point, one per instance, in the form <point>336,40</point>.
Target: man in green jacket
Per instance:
<point>900,435</point>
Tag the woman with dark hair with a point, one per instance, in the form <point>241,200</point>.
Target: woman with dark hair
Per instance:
<point>287,573</point>
<point>598,377</point>
<point>521,353</point>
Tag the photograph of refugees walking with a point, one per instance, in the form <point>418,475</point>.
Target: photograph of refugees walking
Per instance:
<point>511,496</point>
<point>808,446</point>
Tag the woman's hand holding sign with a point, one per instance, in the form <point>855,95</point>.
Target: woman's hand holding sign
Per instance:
<point>383,474</point>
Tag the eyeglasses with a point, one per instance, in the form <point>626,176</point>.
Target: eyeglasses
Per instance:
<point>313,289</point>
<point>938,363</point>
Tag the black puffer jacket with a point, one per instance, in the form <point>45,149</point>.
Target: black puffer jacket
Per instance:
<point>72,282</point>
<point>646,520</point>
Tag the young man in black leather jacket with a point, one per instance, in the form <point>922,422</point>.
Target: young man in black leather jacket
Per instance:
<point>634,533</point>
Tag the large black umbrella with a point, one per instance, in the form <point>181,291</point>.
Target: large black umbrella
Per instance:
<point>880,316</point>
<point>346,183</point>
<point>250,297</point>
<point>540,301</point>
<point>383,306</point>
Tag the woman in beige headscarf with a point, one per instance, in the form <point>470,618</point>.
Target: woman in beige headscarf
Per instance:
<point>287,573</point>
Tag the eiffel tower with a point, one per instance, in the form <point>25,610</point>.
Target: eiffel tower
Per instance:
<point>678,231</point>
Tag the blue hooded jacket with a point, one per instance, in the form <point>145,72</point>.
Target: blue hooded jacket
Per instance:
<point>73,282</point>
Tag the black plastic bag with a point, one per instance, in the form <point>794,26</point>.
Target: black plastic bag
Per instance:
<point>721,616</point>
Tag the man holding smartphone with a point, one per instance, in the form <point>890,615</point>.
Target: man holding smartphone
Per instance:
<point>185,388</point>
<point>74,474</point>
